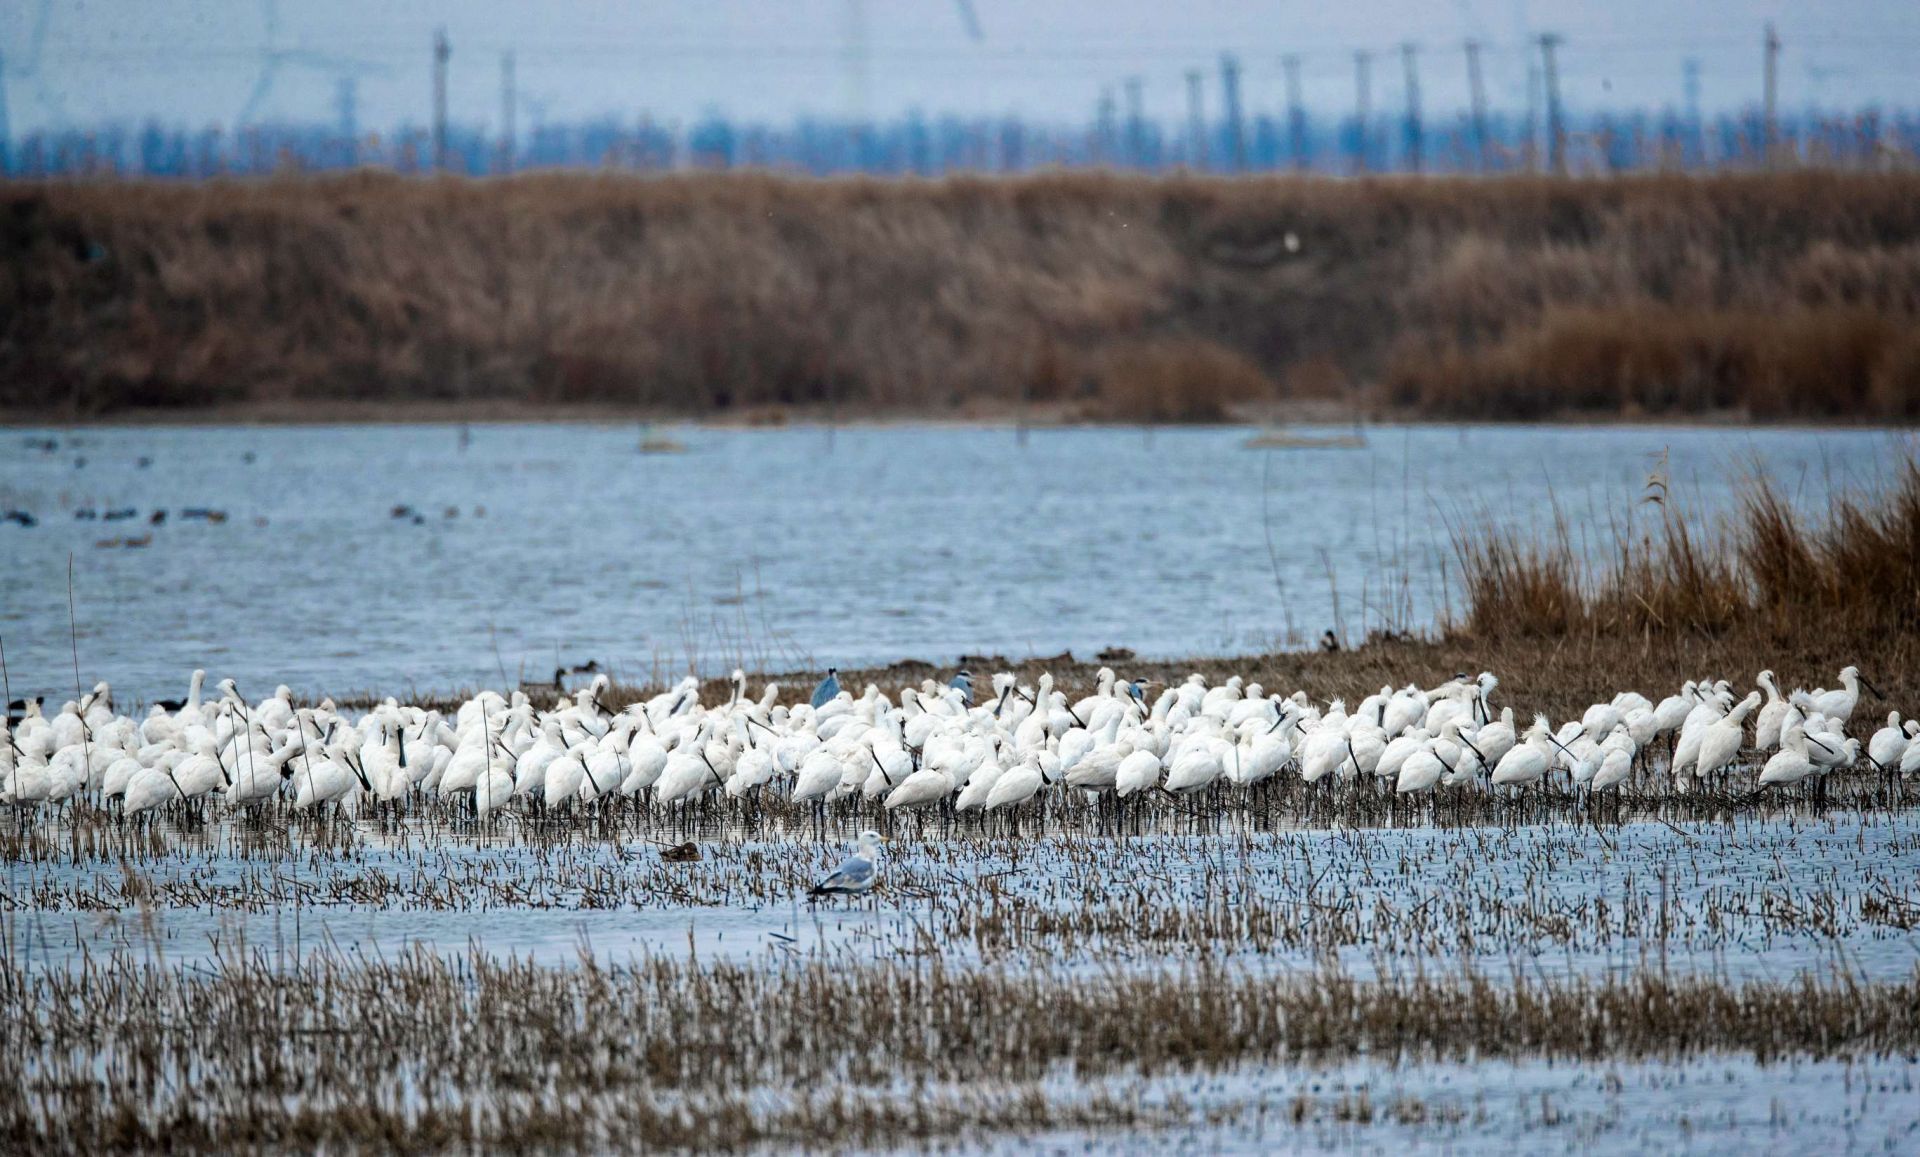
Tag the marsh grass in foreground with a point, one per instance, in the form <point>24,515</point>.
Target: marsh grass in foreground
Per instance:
<point>425,1052</point>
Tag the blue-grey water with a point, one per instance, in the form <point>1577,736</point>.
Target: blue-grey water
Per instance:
<point>541,545</point>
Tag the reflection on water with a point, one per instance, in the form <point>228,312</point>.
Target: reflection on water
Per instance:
<point>541,545</point>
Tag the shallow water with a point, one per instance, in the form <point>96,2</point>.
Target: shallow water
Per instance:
<point>777,549</point>
<point>1761,899</point>
<point>1747,900</point>
<point>1704,1105</point>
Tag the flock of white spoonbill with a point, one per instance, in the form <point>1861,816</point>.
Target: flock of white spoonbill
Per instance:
<point>931,746</point>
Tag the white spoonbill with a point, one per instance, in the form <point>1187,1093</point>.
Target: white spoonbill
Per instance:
<point>1838,704</point>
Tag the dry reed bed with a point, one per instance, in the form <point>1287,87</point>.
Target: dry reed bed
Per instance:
<point>1774,571</point>
<point>1103,296</point>
<point>425,1052</point>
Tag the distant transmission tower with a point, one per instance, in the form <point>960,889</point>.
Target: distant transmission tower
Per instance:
<point>509,96</point>
<point>6,134</point>
<point>1230,95</point>
<point>1771,98</point>
<point>1136,123</point>
<point>1296,113</point>
<point>857,60</point>
<point>442,51</point>
<point>1477,93</point>
<point>1196,120</point>
<point>1556,131</point>
<point>1362,109</point>
<point>1416,138</point>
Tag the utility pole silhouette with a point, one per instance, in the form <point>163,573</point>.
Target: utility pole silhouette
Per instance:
<point>346,111</point>
<point>1556,135</point>
<point>1532,148</point>
<point>1230,95</point>
<point>1196,120</point>
<point>1103,129</point>
<point>1296,114</point>
<point>1363,109</point>
<point>1415,142</point>
<point>856,60</point>
<point>509,143</point>
<point>6,127</point>
<point>1769,102</point>
<point>441,51</point>
<point>1136,124</point>
<point>1696,132</point>
<point>1477,94</point>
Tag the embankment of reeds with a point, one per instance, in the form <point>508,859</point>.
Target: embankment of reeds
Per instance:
<point>425,1053</point>
<point>1776,572</point>
<point>1088,296</point>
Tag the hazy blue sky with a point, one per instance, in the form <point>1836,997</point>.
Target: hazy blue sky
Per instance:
<point>199,61</point>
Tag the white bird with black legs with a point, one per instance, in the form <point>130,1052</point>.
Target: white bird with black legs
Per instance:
<point>1017,784</point>
<point>1526,762</point>
<point>1766,725</point>
<point>690,770</point>
<point>1420,771</point>
<point>1721,740</point>
<point>929,785</point>
<point>1672,711</point>
<point>924,749</point>
<point>1793,761</point>
<point>1397,752</point>
<point>1838,704</point>
<point>1910,758</point>
<point>1616,760</point>
<point>1889,744</point>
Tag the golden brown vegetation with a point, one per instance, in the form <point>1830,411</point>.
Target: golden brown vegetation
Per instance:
<point>1785,296</point>
<point>427,1054</point>
<point>1774,572</point>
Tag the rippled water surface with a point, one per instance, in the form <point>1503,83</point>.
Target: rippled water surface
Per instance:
<point>539,545</point>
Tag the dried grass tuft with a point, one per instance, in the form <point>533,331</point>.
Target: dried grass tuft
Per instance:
<point>1772,568</point>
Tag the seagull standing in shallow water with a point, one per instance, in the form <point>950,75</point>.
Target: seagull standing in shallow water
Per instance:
<point>856,874</point>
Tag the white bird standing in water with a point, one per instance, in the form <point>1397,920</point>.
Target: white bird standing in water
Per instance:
<point>1017,784</point>
<point>1721,740</point>
<point>924,749</point>
<point>1838,704</point>
<point>1526,762</point>
<point>857,873</point>
<point>1420,771</point>
<point>1766,726</point>
<point>1793,762</point>
<point>1889,743</point>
